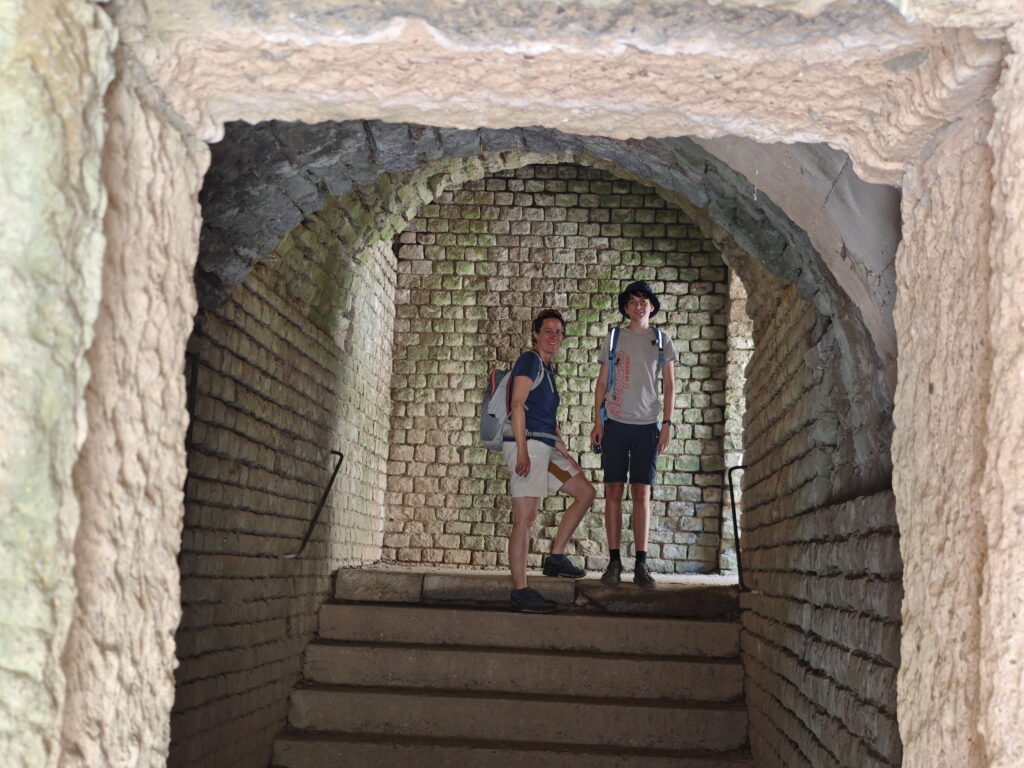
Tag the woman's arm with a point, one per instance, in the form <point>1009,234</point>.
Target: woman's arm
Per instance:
<point>517,416</point>
<point>560,447</point>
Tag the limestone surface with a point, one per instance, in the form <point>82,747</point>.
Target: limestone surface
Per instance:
<point>119,658</point>
<point>856,75</point>
<point>1002,635</point>
<point>938,447</point>
<point>55,64</point>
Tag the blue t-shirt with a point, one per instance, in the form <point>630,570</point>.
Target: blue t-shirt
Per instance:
<point>542,402</point>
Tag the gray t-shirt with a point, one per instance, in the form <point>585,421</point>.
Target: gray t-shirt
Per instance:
<point>635,399</point>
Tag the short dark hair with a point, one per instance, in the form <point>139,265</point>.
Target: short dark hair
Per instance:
<point>538,321</point>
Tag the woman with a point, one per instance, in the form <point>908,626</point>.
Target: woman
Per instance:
<point>538,463</point>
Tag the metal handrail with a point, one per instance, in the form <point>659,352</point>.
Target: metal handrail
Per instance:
<point>320,506</point>
<point>736,527</point>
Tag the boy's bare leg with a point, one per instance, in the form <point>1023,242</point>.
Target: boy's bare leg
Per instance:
<point>613,513</point>
<point>641,495</point>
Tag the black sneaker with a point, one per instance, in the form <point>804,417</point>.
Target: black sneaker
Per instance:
<point>642,577</point>
<point>562,567</point>
<point>612,574</point>
<point>530,601</point>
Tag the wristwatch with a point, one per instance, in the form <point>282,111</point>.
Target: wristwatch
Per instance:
<point>667,421</point>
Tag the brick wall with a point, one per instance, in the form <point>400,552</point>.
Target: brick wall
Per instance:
<point>474,268</point>
<point>294,364</point>
<point>820,550</point>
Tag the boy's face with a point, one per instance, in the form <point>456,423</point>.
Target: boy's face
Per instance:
<point>638,306</point>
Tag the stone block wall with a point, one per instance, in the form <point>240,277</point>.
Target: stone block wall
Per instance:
<point>473,270</point>
<point>296,363</point>
<point>820,551</point>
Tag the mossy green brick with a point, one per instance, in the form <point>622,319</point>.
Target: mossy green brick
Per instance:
<point>687,464</point>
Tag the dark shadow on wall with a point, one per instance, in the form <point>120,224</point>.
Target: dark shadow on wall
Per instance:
<point>275,390</point>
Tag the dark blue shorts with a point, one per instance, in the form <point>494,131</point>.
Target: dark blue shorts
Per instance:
<point>629,452</point>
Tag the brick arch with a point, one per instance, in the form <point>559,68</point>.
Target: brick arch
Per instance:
<point>403,167</point>
<point>378,175</point>
<point>265,179</point>
<point>818,433</point>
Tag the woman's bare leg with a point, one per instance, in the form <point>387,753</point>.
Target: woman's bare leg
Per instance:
<point>524,512</point>
<point>583,494</point>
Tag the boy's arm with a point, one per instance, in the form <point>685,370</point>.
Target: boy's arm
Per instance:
<point>668,389</point>
<point>600,390</point>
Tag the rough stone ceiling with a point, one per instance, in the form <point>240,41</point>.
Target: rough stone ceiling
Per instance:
<point>857,76</point>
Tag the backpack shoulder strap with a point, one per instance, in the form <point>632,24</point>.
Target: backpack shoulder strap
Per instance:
<point>540,374</point>
<point>613,340</point>
<point>660,341</point>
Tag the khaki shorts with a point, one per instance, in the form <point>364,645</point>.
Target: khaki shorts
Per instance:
<point>549,470</point>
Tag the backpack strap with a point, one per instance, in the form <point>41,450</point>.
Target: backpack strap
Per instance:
<point>660,341</point>
<point>613,340</point>
<point>541,374</point>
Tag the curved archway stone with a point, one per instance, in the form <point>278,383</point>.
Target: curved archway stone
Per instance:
<point>249,206</point>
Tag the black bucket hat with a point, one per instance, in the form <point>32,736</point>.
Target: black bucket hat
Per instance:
<point>638,287</point>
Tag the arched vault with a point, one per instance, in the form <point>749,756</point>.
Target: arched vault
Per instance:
<point>266,179</point>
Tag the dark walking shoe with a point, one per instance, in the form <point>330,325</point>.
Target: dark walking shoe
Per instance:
<point>530,601</point>
<point>562,566</point>
<point>612,574</point>
<point>642,577</point>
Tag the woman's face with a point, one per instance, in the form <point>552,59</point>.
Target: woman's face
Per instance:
<point>549,338</point>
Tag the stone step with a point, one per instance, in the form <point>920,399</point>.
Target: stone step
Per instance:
<point>570,631</point>
<point>681,600</point>
<point>321,751</point>
<point>553,672</point>
<point>481,587</point>
<point>519,719</point>
<point>687,598</point>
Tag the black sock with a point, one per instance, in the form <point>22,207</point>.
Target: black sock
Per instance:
<point>641,557</point>
<point>556,558</point>
<point>613,555</point>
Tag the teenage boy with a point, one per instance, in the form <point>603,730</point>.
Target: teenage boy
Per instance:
<point>634,428</point>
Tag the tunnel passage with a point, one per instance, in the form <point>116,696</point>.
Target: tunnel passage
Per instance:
<point>474,267</point>
<point>293,352</point>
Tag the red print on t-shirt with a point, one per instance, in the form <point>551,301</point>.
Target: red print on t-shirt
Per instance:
<point>614,407</point>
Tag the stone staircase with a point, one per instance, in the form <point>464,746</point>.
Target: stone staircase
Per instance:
<point>425,672</point>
